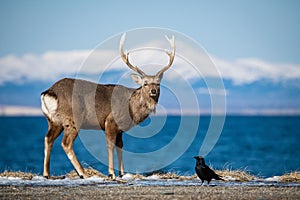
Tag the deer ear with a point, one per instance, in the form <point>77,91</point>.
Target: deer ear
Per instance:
<point>137,79</point>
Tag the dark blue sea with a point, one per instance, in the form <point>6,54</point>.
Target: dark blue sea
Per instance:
<point>262,145</point>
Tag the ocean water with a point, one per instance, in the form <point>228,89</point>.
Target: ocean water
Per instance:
<point>264,146</point>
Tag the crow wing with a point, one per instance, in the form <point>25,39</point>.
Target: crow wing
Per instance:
<point>211,174</point>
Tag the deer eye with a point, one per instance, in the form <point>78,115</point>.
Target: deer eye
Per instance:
<point>145,84</point>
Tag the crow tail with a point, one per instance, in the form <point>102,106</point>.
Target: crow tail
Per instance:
<point>219,178</point>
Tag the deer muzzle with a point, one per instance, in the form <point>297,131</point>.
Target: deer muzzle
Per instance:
<point>153,92</point>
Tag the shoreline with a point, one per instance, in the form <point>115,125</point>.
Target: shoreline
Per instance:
<point>239,185</point>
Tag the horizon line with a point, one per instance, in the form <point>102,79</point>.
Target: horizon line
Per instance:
<point>27,111</point>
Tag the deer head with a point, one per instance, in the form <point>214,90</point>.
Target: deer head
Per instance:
<point>150,85</point>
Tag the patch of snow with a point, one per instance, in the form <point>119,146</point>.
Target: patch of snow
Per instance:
<point>14,178</point>
<point>38,178</point>
<point>229,178</point>
<point>129,180</point>
<point>41,181</point>
<point>128,177</point>
<point>273,179</point>
<point>94,178</point>
<point>153,177</point>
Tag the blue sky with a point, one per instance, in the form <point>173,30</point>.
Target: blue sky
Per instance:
<point>256,44</point>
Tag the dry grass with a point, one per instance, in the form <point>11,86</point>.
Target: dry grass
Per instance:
<point>290,177</point>
<point>22,175</point>
<point>89,171</point>
<point>170,175</point>
<point>138,176</point>
<point>236,175</point>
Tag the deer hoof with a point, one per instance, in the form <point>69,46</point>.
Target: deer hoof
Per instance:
<point>112,176</point>
<point>83,176</point>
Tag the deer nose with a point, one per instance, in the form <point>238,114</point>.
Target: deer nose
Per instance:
<point>153,91</point>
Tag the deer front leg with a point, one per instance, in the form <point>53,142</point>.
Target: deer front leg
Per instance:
<point>119,144</point>
<point>110,150</point>
<point>111,136</point>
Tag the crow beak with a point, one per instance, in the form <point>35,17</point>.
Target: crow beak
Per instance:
<point>196,157</point>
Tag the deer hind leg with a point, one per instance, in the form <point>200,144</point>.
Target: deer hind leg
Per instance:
<point>119,144</point>
<point>70,134</point>
<point>53,132</point>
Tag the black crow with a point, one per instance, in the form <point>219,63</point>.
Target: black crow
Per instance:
<point>204,172</point>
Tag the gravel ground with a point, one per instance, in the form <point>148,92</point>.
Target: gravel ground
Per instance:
<point>148,192</point>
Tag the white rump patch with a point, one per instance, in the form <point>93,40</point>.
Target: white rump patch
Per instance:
<point>49,106</point>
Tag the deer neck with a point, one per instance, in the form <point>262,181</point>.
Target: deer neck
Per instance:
<point>142,105</point>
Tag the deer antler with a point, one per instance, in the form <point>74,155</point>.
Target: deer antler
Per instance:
<point>170,54</point>
<point>125,57</point>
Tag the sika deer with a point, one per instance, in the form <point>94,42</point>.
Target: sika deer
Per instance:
<point>72,104</point>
